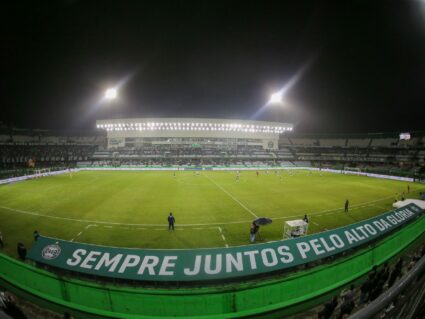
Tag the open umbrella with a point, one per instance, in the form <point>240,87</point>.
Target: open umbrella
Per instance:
<point>262,221</point>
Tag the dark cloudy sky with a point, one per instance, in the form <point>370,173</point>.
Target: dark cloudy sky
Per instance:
<point>219,59</point>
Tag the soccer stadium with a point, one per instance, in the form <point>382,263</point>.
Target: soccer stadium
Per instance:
<point>98,205</point>
<point>207,159</point>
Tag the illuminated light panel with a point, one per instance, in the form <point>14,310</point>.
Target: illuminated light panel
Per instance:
<point>178,126</point>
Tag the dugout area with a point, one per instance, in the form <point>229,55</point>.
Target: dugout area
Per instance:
<point>267,298</point>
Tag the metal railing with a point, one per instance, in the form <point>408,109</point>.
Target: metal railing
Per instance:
<point>413,281</point>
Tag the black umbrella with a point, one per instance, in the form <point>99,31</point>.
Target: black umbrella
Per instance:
<point>262,221</point>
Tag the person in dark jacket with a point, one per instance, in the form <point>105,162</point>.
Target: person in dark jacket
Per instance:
<point>347,303</point>
<point>36,234</point>
<point>171,221</point>
<point>347,203</point>
<point>383,274</point>
<point>365,289</point>
<point>22,251</point>
<point>10,307</point>
<point>328,308</point>
<point>396,272</point>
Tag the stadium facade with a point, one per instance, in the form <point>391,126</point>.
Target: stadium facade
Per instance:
<point>139,133</point>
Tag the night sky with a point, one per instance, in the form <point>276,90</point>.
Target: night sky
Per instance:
<point>363,62</point>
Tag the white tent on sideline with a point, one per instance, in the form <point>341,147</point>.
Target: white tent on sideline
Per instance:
<point>295,228</point>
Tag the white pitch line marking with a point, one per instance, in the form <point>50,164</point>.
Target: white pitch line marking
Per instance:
<point>78,235</point>
<point>85,221</point>
<point>377,206</point>
<point>231,196</point>
<point>222,236</point>
<point>319,225</point>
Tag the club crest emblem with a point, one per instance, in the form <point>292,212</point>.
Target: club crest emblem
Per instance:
<point>51,252</point>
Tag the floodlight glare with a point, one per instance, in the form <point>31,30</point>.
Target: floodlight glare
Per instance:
<point>276,98</point>
<point>111,94</point>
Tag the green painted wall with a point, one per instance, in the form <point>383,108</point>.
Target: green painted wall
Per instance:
<point>271,298</point>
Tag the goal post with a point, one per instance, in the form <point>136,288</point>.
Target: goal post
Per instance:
<point>353,169</point>
<point>40,172</point>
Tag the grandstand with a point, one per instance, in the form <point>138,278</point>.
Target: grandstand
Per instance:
<point>197,142</point>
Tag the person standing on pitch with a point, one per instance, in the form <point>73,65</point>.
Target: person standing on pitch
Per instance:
<point>1,240</point>
<point>171,221</point>
<point>346,206</point>
<point>253,232</point>
<point>36,234</point>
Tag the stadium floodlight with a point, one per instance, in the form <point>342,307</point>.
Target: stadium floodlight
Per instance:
<point>276,98</point>
<point>111,93</point>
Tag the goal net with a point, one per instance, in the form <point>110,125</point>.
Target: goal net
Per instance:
<point>40,172</point>
<point>353,169</point>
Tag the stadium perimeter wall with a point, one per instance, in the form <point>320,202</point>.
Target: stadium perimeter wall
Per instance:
<point>270,298</point>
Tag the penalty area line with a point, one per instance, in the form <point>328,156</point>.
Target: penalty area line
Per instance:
<point>81,232</point>
<point>318,225</point>
<point>223,237</point>
<point>78,235</point>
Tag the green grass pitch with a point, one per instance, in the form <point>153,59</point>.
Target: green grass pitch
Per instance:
<point>212,209</point>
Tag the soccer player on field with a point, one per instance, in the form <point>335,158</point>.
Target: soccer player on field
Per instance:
<point>346,206</point>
